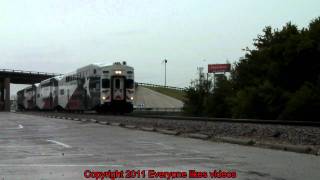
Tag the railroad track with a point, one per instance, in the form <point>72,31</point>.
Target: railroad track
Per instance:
<point>254,121</point>
<point>201,119</point>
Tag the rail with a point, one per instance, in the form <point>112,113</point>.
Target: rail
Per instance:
<point>203,119</point>
<point>230,120</point>
<point>161,86</point>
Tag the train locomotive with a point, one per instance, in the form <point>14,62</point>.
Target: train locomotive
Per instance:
<point>94,87</point>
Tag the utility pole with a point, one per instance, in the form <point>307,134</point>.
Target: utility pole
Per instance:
<point>165,72</point>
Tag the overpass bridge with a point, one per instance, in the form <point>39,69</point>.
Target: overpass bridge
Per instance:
<point>8,76</point>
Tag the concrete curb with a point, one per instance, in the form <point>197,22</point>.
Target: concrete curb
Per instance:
<point>103,122</point>
<point>130,126</point>
<point>147,128</point>
<point>170,132</point>
<point>115,124</point>
<point>284,147</point>
<point>84,120</point>
<point>76,119</point>
<point>94,120</point>
<point>198,136</point>
<point>235,140</point>
<point>292,148</point>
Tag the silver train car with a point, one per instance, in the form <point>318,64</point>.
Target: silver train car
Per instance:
<point>93,87</point>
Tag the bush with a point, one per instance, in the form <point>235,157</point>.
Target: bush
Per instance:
<point>304,104</point>
<point>218,101</point>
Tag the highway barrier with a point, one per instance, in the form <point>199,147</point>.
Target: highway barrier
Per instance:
<point>161,86</point>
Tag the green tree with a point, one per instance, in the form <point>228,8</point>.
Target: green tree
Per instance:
<point>218,101</point>
<point>195,98</point>
<point>304,104</point>
<point>278,79</point>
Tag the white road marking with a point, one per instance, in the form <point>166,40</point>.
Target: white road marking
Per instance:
<point>59,143</point>
<point>179,159</point>
<point>60,165</point>
<point>16,146</point>
<point>165,146</point>
<point>154,154</point>
<point>19,127</point>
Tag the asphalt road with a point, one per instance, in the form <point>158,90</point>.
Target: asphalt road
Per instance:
<point>153,99</point>
<point>34,147</point>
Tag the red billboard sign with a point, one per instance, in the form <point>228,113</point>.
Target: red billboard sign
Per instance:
<point>213,68</point>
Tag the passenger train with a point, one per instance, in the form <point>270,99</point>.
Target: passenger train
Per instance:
<point>93,87</point>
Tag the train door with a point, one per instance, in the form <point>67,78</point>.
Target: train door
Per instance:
<point>34,96</point>
<point>118,91</point>
<point>68,99</point>
<point>50,96</point>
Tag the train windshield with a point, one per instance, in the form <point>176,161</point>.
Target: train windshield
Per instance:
<point>129,83</point>
<point>117,83</point>
<point>105,83</point>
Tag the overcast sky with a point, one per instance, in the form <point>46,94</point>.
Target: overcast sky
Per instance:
<point>61,35</point>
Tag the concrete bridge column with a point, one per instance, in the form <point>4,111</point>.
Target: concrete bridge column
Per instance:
<point>5,94</point>
<point>1,95</point>
<point>7,103</point>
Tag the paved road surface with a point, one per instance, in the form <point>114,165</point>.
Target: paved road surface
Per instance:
<point>34,147</point>
<point>154,99</point>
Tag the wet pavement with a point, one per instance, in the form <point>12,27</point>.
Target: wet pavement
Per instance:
<point>34,147</point>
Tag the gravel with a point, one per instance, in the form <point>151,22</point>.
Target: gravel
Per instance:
<point>295,135</point>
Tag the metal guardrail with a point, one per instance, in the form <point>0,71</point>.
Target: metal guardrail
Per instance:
<point>158,109</point>
<point>155,85</point>
<point>28,72</point>
<point>54,74</point>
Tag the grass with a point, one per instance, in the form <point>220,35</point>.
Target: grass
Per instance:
<point>169,92</point>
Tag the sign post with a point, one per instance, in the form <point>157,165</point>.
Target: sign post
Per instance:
<point>218,68</point>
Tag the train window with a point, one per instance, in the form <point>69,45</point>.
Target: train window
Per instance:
<point>129,72</point>
<point>117,83</point>
<point>92,84</point>
<point>129,83</point>
<point>105,72</point>
<point>105,83</point>
<point>45,85</point>
<point>61,91</point>
<point>94,71</point>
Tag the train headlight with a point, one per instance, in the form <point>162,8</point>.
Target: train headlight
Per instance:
<point>131,98</point>
<point>118,72</point>
<point>103,97</point>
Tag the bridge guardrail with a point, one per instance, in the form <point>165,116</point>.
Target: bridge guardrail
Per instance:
<point>155,85</point>
<point>28,72</point>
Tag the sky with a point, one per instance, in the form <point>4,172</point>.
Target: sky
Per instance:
<point>59,36</point>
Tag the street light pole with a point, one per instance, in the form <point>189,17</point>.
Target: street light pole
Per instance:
<point>165,72</point>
